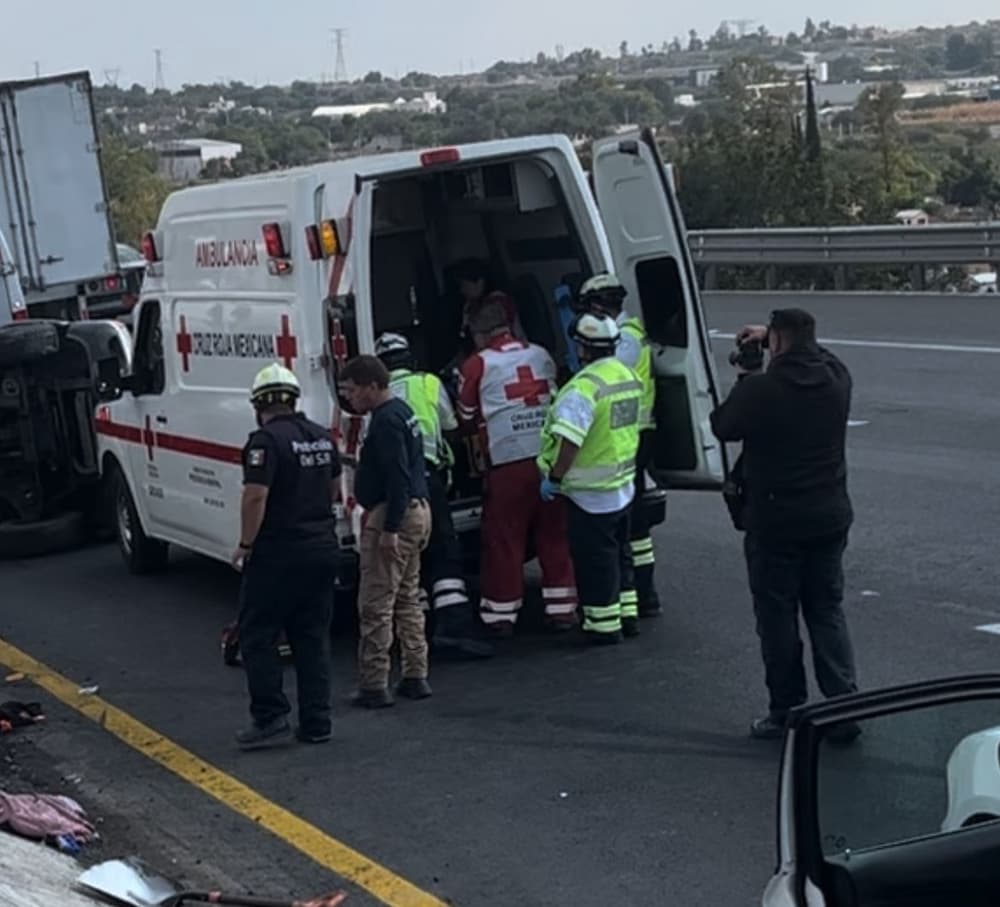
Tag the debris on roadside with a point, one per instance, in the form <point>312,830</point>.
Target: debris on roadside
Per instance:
<point>59,821</point>
<point>33,875</point>
<point>134,884</point>
<point>92,690</point>
<point>19,714</point>
<point>14,678</point>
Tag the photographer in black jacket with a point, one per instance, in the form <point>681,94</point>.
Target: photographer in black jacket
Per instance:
<point>793,503</point>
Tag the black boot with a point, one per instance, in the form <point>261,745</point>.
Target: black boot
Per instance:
<point>372,699</point>
<point>413,688</point>
<point>457,633</point>
<point>645,585</point>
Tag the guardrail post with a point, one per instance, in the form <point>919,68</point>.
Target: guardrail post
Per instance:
<point>711,278</point>
<point>840,278</point>
<point>918,277</point>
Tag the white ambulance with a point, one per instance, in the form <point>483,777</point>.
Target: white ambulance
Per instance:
<point>307,266</point>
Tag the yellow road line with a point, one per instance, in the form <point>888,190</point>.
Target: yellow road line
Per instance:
<point>330,853</point>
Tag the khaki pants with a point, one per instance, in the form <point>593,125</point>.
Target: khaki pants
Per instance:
<point>389,594</point>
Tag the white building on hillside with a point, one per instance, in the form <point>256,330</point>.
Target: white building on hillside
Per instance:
<point>428,102</point>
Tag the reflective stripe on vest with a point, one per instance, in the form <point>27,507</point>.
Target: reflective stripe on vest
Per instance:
<point>644,369</point>
<point>421,393</point>
<point>606,459</point>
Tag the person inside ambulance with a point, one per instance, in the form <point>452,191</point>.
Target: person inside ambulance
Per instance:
<point>453,627</point>
<point>588,447</point>
<point>287,554</point>
<point>603,294</point>
<point>476,289</point>
<point>505,390</point>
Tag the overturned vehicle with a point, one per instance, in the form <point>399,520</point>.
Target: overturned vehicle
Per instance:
<point>53,375</point>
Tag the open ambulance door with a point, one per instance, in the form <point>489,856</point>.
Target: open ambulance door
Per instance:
<point>648,241</point>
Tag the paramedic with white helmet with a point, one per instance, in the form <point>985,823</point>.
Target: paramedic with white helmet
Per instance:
<point>603,294</point>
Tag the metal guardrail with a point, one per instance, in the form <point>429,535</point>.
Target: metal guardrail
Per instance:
<point>931,244</point>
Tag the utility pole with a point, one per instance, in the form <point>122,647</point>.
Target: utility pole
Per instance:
<point>340,67</point>
<point>160,84</point>
<point>111,76</point>
<point>38,69</point>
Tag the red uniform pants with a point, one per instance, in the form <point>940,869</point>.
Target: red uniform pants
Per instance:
<point>513,509</point>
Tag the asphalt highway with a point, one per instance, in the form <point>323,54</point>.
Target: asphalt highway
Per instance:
<point>551,775</point>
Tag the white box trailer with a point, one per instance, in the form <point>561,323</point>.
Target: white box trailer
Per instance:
<point>307,266</point>
<point>53,199</point>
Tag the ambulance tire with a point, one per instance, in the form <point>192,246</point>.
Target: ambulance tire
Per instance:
<point>23,342</point>
<point>141,553</point>
<point>32,539</point>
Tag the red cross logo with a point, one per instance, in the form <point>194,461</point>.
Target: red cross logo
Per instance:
<point>148,438</point>
<point>287,346</point>
<point>527,387</point>
<point>184,345</point>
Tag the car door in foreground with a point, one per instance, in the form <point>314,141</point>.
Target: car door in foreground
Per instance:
<point>907,812</point>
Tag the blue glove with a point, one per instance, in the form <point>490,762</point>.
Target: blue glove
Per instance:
<point>549,489</point>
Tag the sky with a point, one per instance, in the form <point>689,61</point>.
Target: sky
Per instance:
<point>258,41</point>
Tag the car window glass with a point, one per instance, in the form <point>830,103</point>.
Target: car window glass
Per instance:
<point>927,771</point>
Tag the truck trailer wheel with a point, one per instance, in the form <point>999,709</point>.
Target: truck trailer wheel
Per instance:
<point>32,539</point>
<point>25,342</point>
<point>141,553</point>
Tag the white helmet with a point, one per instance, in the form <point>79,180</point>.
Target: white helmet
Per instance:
<point>603,290</point>
<point>392,349</point>
<point>598,332</point>
<point>275,384</point>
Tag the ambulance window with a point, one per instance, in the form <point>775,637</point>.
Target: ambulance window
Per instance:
<point>149,366</point>
<point>661,295</point>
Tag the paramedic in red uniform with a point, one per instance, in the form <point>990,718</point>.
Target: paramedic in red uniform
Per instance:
<point>505,390</point>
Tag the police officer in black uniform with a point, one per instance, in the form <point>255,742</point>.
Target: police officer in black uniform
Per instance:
<point>288,553</point>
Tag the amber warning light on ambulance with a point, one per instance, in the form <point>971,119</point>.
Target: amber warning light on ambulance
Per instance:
<point>323,240</point>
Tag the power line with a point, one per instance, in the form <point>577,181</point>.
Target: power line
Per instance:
<point>160,84</point>
<point>340,67</point>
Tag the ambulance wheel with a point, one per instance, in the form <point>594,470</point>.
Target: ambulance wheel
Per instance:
<point>141,553</point>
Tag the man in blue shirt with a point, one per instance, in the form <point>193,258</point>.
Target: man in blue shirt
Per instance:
<point>391,486</point>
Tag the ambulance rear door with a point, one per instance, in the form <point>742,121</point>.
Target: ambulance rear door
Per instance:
<point>648,243</point>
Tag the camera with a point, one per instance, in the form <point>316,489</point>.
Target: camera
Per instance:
<point>749,355</point>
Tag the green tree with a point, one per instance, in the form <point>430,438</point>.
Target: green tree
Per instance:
<point>879,109</point>
<point>135,190</point>
<point>971,179</point>
<point>814,148</point>
<point>740,163</point>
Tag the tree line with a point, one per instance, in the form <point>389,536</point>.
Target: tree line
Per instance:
<point>745,156</point>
